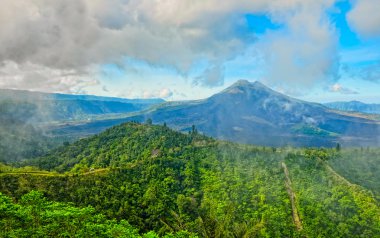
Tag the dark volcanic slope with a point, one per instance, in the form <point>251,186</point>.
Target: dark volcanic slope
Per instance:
<point>253,113</point>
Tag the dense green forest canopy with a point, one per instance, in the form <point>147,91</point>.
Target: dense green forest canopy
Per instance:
<point>35,216</point>
<point>158,179</point>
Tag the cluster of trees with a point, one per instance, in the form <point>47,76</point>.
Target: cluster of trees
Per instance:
<point>120,147</point>
<point>165,181</point>
<point>330,205</point>
<point>35,216</point>
<point>360,166</point>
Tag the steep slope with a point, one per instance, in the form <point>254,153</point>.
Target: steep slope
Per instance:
<point>156,178</point>
<point>253,113</point>
<point>355,106</point>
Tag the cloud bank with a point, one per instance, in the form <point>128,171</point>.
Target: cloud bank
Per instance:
<point>63,41</point>
<point>365,17</point>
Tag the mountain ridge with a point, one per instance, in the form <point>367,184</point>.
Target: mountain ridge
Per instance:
<point>23,95</point>
<point>252,113</point>
<point>355,106</point>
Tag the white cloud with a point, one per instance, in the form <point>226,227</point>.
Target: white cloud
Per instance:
<point>304,53</point>
<point>163,93</point>
<point>338,88</point>
<point>365,17</point>
<point>76,35</point>
<point>40,78</point>
<point>211,77</point>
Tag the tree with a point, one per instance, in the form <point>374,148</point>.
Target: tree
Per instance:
<point>149,121</point>
<point>194,130</point>
<point>338,147</point>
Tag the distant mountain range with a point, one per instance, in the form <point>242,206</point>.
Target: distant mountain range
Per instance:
<point>48,107</point>
<point>355,106</point>
<point>25,118</point>
<point>23,95</point>
<point>253,113</point>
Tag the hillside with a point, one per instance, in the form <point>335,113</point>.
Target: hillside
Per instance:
<point>35,216</point>
<point>253,113</point>
<point>162,180</point>
<point>118,147</point>
<point>48,107</point>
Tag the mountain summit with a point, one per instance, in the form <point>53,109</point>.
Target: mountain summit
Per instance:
<point>242,86</point>
<point>255,114</point>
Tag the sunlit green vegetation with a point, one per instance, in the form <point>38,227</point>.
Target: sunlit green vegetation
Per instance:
<point>35,216</point>
<point>160,180</point>
<point>360,166</point>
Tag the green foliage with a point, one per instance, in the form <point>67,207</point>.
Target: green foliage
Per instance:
<point>329,205</point>
<point>313,131</point>
<point>318,154</point>
<point>360,166</point>
<point>121,146</point>
<point>37,217</point>
<point>162,181</point>
<point>149,121</point>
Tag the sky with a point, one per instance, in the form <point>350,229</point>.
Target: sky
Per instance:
<point>316,50</point>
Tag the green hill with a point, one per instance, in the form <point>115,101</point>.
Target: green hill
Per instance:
<point>166,181</point>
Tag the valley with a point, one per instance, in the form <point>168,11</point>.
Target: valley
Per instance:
<point>275,166</point>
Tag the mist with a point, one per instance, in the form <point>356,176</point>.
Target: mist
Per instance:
<point>21,131</point>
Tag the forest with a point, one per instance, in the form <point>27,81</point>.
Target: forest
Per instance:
<point>143,180</point>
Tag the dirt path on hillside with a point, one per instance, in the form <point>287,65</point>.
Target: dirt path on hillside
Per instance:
<point>292,196</point>
<point>44,173</point>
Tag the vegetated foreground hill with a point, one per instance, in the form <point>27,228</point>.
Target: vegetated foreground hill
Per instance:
<point>162,180</point>
<point>254,114</point>
<point>355,106</point>
<point>35,216</point>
